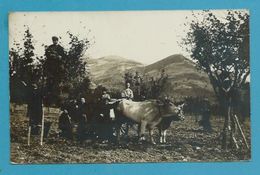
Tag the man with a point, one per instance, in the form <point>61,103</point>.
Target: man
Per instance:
<point>128,78</point>
<point>54,67</point>
<point>127,93</point>
<point>105,101</point>
<point>82,119</point>
<point>54,58</point>
<point>65,125</point>
<point>106,124</point>
<point>162,79</point>
<point>72,108</point>
<point>34,106</point>
<point>55,50</point>
<point>206,113</point>
<point>81,107</point>
<point>137,85</point>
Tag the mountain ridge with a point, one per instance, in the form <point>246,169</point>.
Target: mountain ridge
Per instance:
<point>184,79</point>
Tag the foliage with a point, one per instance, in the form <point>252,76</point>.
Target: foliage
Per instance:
<point>76,78</point>
<point>75,64</point>
<point>220,47</point>
<point>72,72</point>
<point>148,87</point>
<point>24,67</point>
<point>68,78</point>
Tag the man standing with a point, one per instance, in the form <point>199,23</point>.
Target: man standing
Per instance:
<point>82,119</point>
<point>105,99</point>
<point>206,113</point>
<point>34,106</point>
<point>163,78</point>
<point>137,85</point>
<point>106,123</point>
<point>54,68</point>
<point>65,124</point>
<point>55,50</point>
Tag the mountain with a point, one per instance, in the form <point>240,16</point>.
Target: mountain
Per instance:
<point>184,78</point>
<point>109,71</point>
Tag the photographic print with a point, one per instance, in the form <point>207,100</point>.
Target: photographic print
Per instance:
<point>129,86</point>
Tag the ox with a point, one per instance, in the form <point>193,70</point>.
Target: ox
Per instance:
<point>149,115</point>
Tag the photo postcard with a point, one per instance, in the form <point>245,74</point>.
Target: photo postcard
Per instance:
<point>129,86</point>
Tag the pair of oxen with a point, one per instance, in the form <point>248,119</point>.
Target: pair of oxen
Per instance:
<point>149,115</point>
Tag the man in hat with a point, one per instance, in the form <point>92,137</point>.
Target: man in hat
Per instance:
<point>55,50</point>
<point>54,67</point>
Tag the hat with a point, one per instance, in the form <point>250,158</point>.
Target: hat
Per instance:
<point>55,38</point>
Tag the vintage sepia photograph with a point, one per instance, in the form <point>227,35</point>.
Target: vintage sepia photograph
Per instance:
<point>129,86</point>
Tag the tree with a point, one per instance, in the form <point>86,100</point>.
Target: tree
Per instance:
<point>24,66</point>
<point>220,47</point>
<point>76,63</point>
<point>77,80</point>
<point>72,71</point>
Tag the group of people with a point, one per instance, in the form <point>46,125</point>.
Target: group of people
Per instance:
<point>144,88</point>
<point>95,120</point>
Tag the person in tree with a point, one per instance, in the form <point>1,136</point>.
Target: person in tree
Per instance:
<point>55,50</point>
<point>53,67</point>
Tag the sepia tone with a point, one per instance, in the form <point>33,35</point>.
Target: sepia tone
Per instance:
<point>127,87</point>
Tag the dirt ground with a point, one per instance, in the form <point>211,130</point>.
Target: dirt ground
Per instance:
<point>186,142</point>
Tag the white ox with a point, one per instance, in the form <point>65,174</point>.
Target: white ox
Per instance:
<point>149,115</point>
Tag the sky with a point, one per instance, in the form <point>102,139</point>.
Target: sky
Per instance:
<point>143,36</point>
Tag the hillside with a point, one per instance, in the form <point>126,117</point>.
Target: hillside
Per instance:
<point>109,71</point>
<point>184,78</point>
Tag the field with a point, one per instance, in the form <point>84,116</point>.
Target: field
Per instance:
<point>186,143</point>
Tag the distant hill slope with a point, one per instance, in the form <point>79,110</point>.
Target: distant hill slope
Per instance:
<point>184,78</point>
<point>109,71</point>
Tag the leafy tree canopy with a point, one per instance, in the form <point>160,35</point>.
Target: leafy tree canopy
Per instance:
<point>220,47</point>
